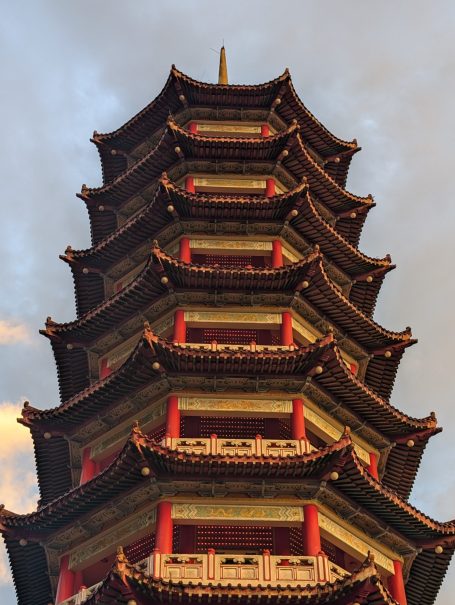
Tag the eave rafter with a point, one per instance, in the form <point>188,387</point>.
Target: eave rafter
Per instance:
<point>183,92</point>
<point>177,145</point>
<point>154,358</point>
<point>125,473</point>
<point>171,203</point>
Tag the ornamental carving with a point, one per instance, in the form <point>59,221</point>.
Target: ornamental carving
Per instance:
<point>238,512</point>
<point>112,539</point>
<point>359,545</point>
<point>274,406</point>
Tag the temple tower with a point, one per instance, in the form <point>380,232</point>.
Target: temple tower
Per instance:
<point>225,432</point>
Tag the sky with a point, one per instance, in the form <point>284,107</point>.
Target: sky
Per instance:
<point>382,72</point>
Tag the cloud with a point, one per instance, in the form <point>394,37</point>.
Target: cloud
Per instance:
<point>18,488</point>
<point>12,333</point>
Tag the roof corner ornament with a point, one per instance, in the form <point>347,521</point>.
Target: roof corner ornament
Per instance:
<point>223,73</point>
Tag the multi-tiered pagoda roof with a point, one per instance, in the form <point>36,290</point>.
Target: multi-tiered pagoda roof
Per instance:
<point>225,430</point>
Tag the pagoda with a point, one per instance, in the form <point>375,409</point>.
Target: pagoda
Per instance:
<point>225,433</point>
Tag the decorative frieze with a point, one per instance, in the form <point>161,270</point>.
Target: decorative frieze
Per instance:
<point>111,539</point>
<point>257,406</point>
<point>237,513</point>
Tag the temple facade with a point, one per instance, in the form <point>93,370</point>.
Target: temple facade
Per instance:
<point>225,432</point>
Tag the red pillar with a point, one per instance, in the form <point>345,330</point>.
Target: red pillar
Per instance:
<point>89,467</point>
<point>192,127</point>
<point>185,250</point>
<point>396,584</point>
<point>277,254</point>
<point>105,370</point>
<point>189,184</point>
<point>173,417</point>
<point>287,337</point>
<point>164,527</point>
<point>65,586</point>
<point>373,466</point>
<point>265,130</point>
<point>179,326</point>
<point>270,187</point>
<point>298,420</point>
<point>311,533</point>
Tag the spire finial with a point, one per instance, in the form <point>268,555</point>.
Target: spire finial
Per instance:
<point>222,73</point>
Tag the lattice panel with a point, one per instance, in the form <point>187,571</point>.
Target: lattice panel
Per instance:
<point>296,541</point>
<point>157,433</point>
<point>285,429</point>
<point>229,336</point>
<point>230,538</point>
<point>227,261</point>
<point>335,554</point>
<point>232,427</point>
<point>141,549</point>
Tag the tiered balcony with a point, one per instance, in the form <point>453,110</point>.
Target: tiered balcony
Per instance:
<point>243,570</point>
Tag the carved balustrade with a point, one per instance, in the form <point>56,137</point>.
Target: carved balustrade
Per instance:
<point>240,447</point>
<point>243,569</point>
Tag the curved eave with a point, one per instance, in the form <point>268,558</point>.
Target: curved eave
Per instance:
<point>174,359</point>
<point>30,573</point>
<point>139,229</point>
<point>311,225</point>
<point>166,153</point>
<point>364,295</point>
<point>144,289</point>
<point>124,474</point>
<point>126,581</point>
<point>195,93</point>
<point>53,465</point>
<point>134,132</point>
<point>211,148</point>
<point>300,163</point>
<point>192,276</point>
<point>337,380</point>
<point>134,373</point>
<point>235,206</point>
<point>68,340</point>
<point>403,462</point>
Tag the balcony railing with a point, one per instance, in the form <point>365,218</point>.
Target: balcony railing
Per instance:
<point>243,569</point>
<point>240,447</point>
<point>240,569</point>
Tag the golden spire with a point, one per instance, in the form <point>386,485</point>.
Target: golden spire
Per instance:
<point>222,73</point>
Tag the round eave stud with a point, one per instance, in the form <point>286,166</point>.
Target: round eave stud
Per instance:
<point>334,476</point>
<point>438,549</point>
<point>353,215</point>
<point>369,279</point>
<point>178,150</point>
<point>69,346</point>
<point>85,270</point>
<point>23,542</point>
<point>155,365</point>
<point>170,208</point>
<point>101,208</point>
<point>388,354</point>
<point>164,280</point>
<point>318,369</point>
<point>410,443</point>
<point>145,471</point>
<point>182,99</point>
<point>294,212</point>
<point>305,284</point>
